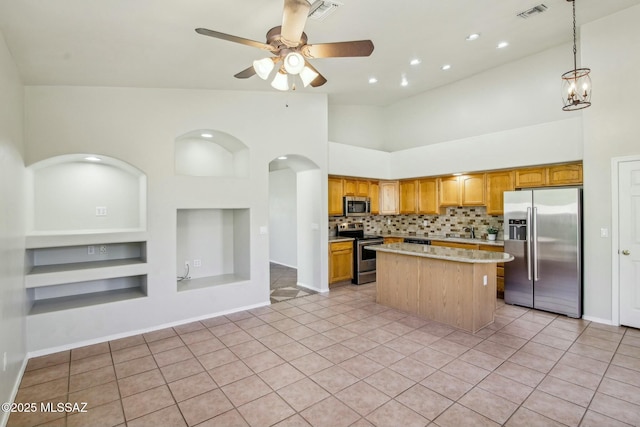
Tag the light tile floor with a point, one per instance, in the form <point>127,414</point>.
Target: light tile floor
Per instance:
<point>340,359</point>
<point>284,284</point>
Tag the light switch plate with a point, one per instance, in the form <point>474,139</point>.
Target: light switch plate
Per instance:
<point>604,232</point>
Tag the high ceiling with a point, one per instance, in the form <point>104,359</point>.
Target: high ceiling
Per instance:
<point>152,43</point>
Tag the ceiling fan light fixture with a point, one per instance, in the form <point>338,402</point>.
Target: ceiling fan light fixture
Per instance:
<point>294,63</point>
<point>263,67</point>
<point>307,75</point>
<point>280,81</point>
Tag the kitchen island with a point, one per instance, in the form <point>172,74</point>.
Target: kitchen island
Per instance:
<point>447,285</point>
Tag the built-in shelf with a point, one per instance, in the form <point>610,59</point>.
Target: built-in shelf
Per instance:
<point>207,282</point>
<point>84,300</point>
<point>49,275</point>
<point>54,240</point>
<point>216,244</point>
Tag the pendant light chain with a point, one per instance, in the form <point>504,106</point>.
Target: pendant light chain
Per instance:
<point>576,83</point>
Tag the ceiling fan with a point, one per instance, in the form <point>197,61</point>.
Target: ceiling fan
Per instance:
<point>288,45</point>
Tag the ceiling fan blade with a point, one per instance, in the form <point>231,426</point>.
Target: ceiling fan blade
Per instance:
<point>339,49</point>
<point>318,81</point>
<point>245,74</point>
<point>229,37</point>
<point>294,17</point>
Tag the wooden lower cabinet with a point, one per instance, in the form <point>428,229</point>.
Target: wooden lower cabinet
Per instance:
<point>393,240</point>
<point>340,261</point>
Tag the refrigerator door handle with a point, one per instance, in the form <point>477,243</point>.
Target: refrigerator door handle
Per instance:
<point>528,244</point>
<point>535,244</point>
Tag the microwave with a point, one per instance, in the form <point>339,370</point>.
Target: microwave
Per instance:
<point>356,206</point>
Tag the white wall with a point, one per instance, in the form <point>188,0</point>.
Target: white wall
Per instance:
<point>283,218</point>
<point>358,125</point>
<point>610,47</point>
<point>12,226</point>
<point>363,162</point>
<point>139,126</point>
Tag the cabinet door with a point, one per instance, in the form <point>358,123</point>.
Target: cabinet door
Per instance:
<point>362,188</point>
<point>497,184</point>
<point>374,195</point>
<point>408,203</point>
<point>472,190</point>
<point>428,196</point>
<point>335,196</point>
<point>340,261</point>
<point>449,191</point>
<point>393,240</point>
<point>565,174</point>
<point>349,187</point>
<point>389,203</point>
<point>534,177</point>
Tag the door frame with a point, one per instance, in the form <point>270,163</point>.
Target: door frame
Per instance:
<point>615,241</point>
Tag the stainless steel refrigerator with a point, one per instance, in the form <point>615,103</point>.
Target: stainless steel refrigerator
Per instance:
<point>543,231</point>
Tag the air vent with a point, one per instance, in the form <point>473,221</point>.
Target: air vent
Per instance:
<point>536,10</point>
<point>322,8</point>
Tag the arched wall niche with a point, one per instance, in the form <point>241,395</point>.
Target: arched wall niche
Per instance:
<point>208,152</point>
<point>85,193</point>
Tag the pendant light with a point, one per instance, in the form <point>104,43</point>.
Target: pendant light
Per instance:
<point>576,84</point>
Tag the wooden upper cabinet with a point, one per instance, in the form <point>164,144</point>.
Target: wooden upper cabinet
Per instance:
<point>349,187</point>
<point>464,190</point>
<point>356,187</point>
<point>374,195</point>
<point>472,190</point>
<point>408,200</point>
<point>428,196</point>
<point>565,174</point>
<point>389,200</point>
<point>497,184</point>
<point>335,196</point>
<point>449,191</point>
<point>532,177</point>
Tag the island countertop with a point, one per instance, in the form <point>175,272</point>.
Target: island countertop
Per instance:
<point>443,252</point>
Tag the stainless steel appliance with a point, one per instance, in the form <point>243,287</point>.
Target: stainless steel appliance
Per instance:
<point>417,240</point>
<point>356,206</point>
<point>543,231</point>
<point>364,260</point>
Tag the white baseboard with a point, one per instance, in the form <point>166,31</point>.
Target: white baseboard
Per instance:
<point>66,347</point>
<point>312,288</point>
<point>4,416</point>
<point>284,265</point>
<point>599,320</point>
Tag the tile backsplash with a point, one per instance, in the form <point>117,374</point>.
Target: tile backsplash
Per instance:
<point>453,222</point>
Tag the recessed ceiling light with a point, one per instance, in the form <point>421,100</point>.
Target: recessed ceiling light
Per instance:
<point>282,158</point>
<point>206,135</point>
<point>373,80</point>
<point>472,37</point>
<point>404,82</point>
<point>502,45</point>
<point>93,159</point>
<point>445,67</point>
<point>415,61</point>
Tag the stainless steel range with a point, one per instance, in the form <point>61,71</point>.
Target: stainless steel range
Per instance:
<point>364,260</point>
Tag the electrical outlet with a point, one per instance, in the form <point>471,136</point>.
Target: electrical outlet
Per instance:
<point>186,264</point>
<point>425,222</point>
<point>103,249</point>
<point>101,211</point>
<point>485,280</point>
<point>4,362</point>
<point>197,263</point>
<point>91,250</point>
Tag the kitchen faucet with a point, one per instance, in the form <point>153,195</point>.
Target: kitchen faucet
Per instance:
<point>472,231</point>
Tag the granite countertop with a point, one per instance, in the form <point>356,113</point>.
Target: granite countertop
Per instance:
<point>333,239</point>
<point>443,252</point>
<point>444,238</point>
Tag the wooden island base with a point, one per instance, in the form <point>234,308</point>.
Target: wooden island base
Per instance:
<point>450,292</point>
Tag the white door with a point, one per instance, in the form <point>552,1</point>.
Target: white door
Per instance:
<point>629,238</point>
